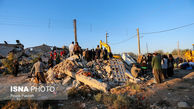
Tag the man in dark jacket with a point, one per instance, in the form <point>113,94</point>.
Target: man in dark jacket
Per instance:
<point>77,50</point>
<point>170,70</point>
<point>97,55</point>
<point>157,69</point>
<point>105,56</point>
<point>16,67</point>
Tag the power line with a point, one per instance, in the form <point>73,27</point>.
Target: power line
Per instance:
<point>124,40</point>
<point>10,24</point>
<point>152,33</point>
<point>168,29</point>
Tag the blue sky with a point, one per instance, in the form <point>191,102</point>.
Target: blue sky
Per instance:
<point>35,22</point>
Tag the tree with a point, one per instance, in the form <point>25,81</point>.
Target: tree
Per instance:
<point>160,52</point>
<point>8,63</point>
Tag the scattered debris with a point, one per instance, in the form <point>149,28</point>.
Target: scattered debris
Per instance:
<point>183,105</point>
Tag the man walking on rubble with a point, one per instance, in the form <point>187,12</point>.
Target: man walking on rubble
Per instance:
<point>39,75</point>
<point>71,47</point>
<point>157,69</point>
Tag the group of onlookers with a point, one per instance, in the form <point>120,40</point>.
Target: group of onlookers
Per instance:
<point>87,54</point>
<point>162,66</point>
<point>55,57</point>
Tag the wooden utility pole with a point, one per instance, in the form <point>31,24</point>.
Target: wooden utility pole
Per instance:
<point>75,30</point>
<point>106,38</point>
<point>139,51</point>
<point>178,49</point>
<point>147,47</point>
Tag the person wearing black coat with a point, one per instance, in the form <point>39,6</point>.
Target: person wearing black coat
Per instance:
<point>170,70</point>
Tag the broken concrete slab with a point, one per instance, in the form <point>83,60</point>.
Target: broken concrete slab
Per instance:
<point>67,80</point>
<point>92,82</point>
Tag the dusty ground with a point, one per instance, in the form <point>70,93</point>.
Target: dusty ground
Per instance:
<point>173,90</point>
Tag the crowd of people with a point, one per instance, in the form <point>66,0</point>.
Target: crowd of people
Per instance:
<point>56,57</point>
<point>87,54</point>
<point>162,66</point>
<point>74,49</point>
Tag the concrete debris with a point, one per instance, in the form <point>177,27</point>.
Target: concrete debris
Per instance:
<point>51,76</point>
<point>131,78</point>
<point>76,83</point>
<point>118,70</point>
<point>183,105</point>
<point>99,74</point>
<point>67,80</point>
<point>128,59</point>
<point>5,49</point>
<point>96,74</point>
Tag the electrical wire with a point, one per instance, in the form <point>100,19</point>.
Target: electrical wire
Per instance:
<point>123,41</point>
<point>18,24</point>
<point>146,33</point>
<point>168,29</point>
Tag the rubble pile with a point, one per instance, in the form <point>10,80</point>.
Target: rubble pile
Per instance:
<point>92,73</point>
<point>100,74</point>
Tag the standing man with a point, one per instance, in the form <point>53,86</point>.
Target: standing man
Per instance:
<point>77,50</point>
<point>157,69</point>
<point>16,67</point>
<point>170,65</point>
<point>39,75</point>
<point>50,63</point>
<point>55,57</point>
<point>164,64</point>
<point>149,61</point>
<point>71,47</point>
<point>97,55</point>
<point>105,56</point>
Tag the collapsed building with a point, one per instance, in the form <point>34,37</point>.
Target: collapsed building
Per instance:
<point>98,75</point>
<point>6,48</point>
<point>26,57</point>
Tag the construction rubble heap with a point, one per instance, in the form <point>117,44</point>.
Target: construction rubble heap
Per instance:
<point>98,75</point>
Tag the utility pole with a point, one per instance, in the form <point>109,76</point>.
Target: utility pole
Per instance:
<point>106,38</point>
<point>178,49</point>
<point>75,30</point>
<point>139,51</point>
<point>147,47</point>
